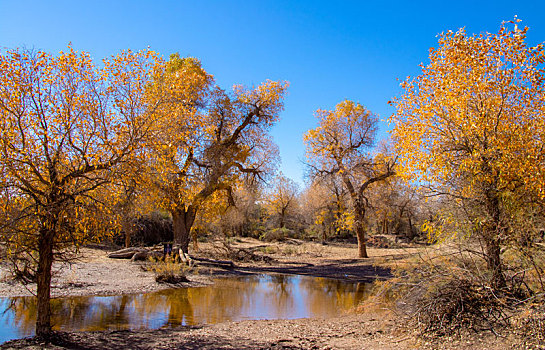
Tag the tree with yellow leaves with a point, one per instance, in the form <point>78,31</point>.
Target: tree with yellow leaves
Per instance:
<point>471,126</point>
<point>67,129</point>
<point>181,90</point>
<point>341,146</point>
<point>209,140</point>
<point>282,199</point>
<point>325,204</point>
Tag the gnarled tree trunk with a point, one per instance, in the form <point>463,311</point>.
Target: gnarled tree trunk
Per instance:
<point>493,260</point>
<point>45,261</point>
<point>491,233</point>
<point>182,221</point>
<point>359,223</point>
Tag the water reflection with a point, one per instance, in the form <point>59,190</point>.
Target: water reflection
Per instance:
<point>233,299</point>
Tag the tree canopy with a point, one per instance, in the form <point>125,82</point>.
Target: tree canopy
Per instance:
<point>341,146</point>
<point>67,129</point>
<point>471,125</point>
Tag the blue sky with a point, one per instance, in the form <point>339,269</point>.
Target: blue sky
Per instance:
<point>328,50</point>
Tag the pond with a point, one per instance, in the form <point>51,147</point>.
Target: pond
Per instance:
<point>228,299</point>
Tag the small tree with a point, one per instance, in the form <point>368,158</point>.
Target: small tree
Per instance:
<point>67,130</point>
<point>341,145</point>
<point>325,205</point>
<point>282,199</point>
<point>471,127</point>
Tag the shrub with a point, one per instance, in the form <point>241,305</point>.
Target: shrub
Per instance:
<point>445,293</point>
<point>168,271</point>
<point>152,229</point>
<point>456,303</point>
<point>277,234</point>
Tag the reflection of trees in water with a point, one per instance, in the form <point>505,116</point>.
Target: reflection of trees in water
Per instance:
<point>224,300</point>
<point>23,311</point>
<point>76,313</point>
<point>175,305</point>
<point>83,313</point>
<point>269,296</point>
<point>281,295</point>
<point>191,306</point>
<point>328,297</point>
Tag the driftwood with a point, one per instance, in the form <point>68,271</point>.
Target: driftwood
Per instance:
<point>126,253</point>
<point>136,254</point>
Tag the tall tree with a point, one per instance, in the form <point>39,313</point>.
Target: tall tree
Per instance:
<point>471,126</point>
<point>226,140</point>
<point>181,90</point>
<point>67,129</point>
<point>341,146</point>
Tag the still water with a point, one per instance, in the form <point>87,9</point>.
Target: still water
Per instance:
<point>229,299</point>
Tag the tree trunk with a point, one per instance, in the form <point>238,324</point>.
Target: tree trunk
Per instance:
<point>324,234</point>
<point>411,228</point>
<point>494,264</point>
<point>45,260</point>
<point>127,228</point>
<point>491,235</point>
<point>182,221</point>
<point>359,223</point>
<point>399,221</point>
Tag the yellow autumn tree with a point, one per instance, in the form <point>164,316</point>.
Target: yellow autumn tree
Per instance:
<point>180,92</point>
<point>471,126</point>
<point>211,139</point>
<point>67,130</point>
<point>325,204</point>
<point>282,199</point>
<point>341,145</point>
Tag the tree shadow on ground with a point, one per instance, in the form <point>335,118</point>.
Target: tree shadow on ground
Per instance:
<point>139,340</point>
<point>342,269</point>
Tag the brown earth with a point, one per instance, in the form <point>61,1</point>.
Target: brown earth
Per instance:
<point>96,274</point>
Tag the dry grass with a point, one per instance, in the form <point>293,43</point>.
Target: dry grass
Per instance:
<point>443,291</point>
<point>168,271</point>
<point>529,324</point>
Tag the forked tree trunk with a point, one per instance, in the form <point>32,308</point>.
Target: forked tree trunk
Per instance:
<point>45,260</point>
<point>182,221</point>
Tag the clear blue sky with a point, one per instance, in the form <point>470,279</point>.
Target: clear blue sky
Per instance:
<point>328,50</point>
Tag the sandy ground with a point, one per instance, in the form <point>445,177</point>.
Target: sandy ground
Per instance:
<point>96,274</point>
<point>93,273</point>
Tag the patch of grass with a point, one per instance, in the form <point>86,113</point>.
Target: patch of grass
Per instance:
<point>290,251</point>
<point>314,249</point>
<point>269,249</point>
<point>277,235</point>
<point>169,271</point>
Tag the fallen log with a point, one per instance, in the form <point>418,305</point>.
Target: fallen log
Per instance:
<point>126,253</point>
